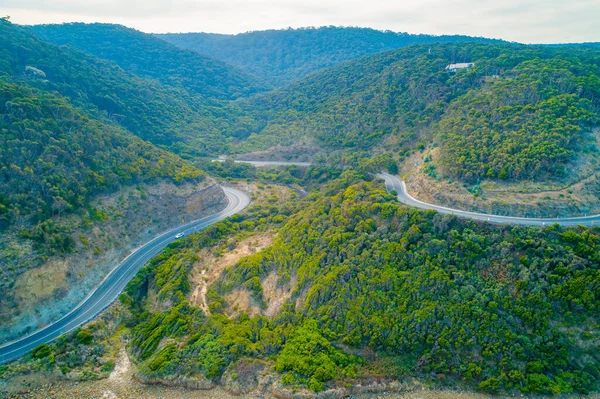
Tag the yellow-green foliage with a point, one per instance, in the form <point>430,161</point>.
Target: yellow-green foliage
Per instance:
<point>522,126</point>
<point>308,357</point>
<point>85,337</point>
<point>466,300</point>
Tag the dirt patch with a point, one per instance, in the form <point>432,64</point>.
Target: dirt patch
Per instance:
<point>271,194</point>
<point>509,200</point>
<point>240,300</point>
<point>301,299</point>
<point>125,386</point>
<point>210,267</point>
<point>276,294</point>
<point>42,284</point>
<point>104,389</point>
<point>122,370</point>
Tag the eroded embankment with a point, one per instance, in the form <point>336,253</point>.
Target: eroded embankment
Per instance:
<point>52,286</point>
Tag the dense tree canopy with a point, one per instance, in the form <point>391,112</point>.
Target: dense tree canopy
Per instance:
<point>54,157</point>
<point>523,126</point>
<point>163,115</point>
<point>283,56</point>
<point>520,112</point>
<point>68,124</point>
<point>147,56</point>
<point>498,307</point>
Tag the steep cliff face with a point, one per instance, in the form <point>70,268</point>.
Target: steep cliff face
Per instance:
<point>49,286</point>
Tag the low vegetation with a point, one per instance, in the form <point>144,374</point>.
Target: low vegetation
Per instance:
<point>85,353</point>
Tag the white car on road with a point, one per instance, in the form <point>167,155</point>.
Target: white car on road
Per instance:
<point>179,235</point>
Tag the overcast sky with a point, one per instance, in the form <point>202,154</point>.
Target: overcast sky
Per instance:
<point>526,21</point>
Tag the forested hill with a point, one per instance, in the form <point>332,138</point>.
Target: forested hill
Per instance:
<point>166,116</point>
<point>63,120</point>
<point>64,139</point>
<point>282,56</point>
<point>369,289</point>
<point>584,44</point>
<point>54,157</point>
<point>520,112</point>
<point>147,56</point>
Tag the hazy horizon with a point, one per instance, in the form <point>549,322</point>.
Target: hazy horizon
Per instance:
<point>529,21</point>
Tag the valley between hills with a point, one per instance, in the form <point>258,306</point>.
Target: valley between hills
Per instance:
<point>381,221</point>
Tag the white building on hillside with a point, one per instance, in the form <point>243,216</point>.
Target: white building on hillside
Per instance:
<point>456,67</point>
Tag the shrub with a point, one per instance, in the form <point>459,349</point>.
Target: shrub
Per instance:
<point>41,351</point>
<point>84,337</point>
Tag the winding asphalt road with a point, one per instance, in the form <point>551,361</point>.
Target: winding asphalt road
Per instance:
<point>116,281</point>
<point>259,164</point>
<point>393,183</point>
<point>112,286</point>
<point>275,163</point>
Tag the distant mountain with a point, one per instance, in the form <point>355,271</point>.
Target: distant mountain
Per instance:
<point>585,44</point>
<point>282,56</point>
<point>146,56</point>
<point>166,116</point>
<point>520,112</point>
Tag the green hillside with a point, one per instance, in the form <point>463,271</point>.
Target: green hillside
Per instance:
<point>146,56</point>
<point>283,56</point>
<point>520,113</point>
<point>380,290</point>
<point>325,281</point>
<point>166,116</point>
<point>54,158</point>
<point>523,112</point>
<point>525,125</point>
<point>61,144</point>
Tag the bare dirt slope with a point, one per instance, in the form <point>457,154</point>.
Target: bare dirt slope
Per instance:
<point>130,388</point>
<point>213,261</point>
<point>210,267</point>
<point>297,153</point>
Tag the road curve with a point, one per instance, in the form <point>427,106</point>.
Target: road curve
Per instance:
<point>393,183</point>
<point>259,164</point>
<point>112,286</point>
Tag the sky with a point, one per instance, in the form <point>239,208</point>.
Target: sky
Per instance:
<point>525,21</point>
